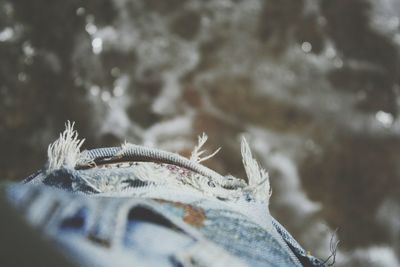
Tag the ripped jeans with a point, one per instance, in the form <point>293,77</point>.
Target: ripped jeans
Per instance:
<point>139,206</point>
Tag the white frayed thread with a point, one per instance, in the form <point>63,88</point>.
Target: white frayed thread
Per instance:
<point>258,178</point>
<point>159,176</point>
<point>153,173</point>
<point>209,188</point>
<point>126,146</point>
<point>65,151</point>
<point>196,153</point>
<point>191,179</point>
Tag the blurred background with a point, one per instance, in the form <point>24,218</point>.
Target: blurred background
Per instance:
<point>313,84</point>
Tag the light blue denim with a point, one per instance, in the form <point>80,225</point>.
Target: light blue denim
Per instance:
<point>143,223</point>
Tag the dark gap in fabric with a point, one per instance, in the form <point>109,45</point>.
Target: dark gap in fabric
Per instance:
<point>76,221</point>
<point>147,215</point>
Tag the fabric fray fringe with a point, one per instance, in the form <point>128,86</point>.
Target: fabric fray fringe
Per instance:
<point>65,153</point>
<point>66,150</point>
<point>196,153</point>
<point>258,178</point>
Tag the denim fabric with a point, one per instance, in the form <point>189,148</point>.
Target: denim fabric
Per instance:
<point>145,207</point>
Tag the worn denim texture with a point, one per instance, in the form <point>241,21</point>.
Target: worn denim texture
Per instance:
<point>138,206</point>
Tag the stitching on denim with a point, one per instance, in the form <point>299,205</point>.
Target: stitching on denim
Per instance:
<point>207,180</point>
<point>135,152</point>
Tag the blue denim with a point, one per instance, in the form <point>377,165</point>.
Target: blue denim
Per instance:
<point>136,206</point>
